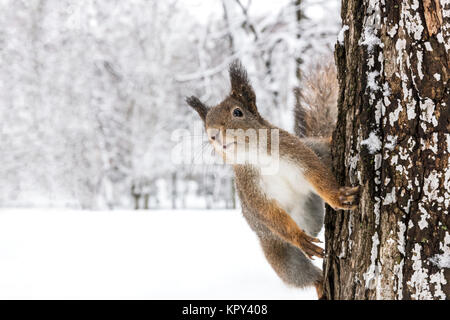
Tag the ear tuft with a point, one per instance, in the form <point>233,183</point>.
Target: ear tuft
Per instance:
<point>198,106</point>
<point>238,75</point>
<point>241,88</point>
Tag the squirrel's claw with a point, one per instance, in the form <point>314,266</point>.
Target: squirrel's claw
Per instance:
<point>309,248</point>
<point>348,198</point>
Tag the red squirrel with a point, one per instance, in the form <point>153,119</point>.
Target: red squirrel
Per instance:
<point>284,208</point>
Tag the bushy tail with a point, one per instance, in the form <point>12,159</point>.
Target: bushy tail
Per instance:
<point>316,101</point>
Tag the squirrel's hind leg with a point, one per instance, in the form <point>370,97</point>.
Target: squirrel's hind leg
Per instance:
<point>290,263</point>
<point>319,290</point>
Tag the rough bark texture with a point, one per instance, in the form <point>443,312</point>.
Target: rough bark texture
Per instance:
<point>392,138</point>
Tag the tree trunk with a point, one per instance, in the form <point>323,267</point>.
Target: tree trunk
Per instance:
<point>136,202</point>
<point>146,201</point>
<point>392,138</point>
<point>300,16</point>
<point>233,193</point>
<point>174,190</point>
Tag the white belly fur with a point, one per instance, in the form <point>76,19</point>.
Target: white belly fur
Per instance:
<point>289,188</point>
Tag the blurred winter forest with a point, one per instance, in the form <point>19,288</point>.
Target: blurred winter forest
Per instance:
<point>92,91</point>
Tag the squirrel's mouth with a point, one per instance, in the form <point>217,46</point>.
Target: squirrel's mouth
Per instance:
<point>224,148</point>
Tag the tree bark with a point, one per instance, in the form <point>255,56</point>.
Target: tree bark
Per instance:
<point>392,138</point>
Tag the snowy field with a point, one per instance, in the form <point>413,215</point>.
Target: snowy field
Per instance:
<point>62,254</point>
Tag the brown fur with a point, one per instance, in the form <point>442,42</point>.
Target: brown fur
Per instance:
<point>275,218</point>
<point>282,240</point>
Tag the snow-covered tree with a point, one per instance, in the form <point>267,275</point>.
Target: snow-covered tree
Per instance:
<point>91,91</point>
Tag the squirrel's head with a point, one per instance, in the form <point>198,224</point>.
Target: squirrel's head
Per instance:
<point>228,124</point>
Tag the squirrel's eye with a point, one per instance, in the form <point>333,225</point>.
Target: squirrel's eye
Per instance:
<point>237,113</point>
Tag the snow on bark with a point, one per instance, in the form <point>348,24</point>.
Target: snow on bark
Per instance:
<point>341,34</point>
<point>393,92</point>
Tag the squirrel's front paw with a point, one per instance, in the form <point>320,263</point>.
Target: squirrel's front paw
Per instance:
<point>309,248</point>
<point>348,198</point>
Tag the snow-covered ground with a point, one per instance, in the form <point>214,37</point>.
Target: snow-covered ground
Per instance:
<point>62,254</point>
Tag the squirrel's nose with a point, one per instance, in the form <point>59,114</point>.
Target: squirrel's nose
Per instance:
<point>214,135</point>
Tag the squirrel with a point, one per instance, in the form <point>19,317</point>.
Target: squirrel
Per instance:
<point>285,209</point>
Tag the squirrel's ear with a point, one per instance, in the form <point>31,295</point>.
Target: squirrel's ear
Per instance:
<point>198,106</point>
<point>241,88</point>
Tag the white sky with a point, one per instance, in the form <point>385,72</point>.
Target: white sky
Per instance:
<point>205,9</point>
